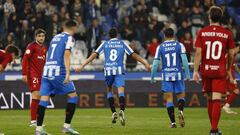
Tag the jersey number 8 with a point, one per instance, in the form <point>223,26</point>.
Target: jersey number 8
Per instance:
<point>113,55</point>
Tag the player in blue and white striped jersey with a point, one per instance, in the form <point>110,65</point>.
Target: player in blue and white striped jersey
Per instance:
<point>56,75</point>
<point>114,51</point>
<point>172,55</point>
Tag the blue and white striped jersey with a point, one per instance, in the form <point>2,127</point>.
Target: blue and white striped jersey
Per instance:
<point>114,50</point>
<point>54,65</point>
<point>170,54</point>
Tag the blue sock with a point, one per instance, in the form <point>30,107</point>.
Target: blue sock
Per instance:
<point>109,95</point>
<point>121,94</point>
<point>169,104</point>
<point>73,100</point>
<point>43,103</point>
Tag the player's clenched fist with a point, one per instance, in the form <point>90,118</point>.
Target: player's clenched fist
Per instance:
<point>148,67</point>
<point>196,77</point>
<point>79,69</point>
<point>24,78</point>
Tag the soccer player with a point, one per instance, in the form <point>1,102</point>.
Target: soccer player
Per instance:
<point>8,55</point>
<point>232,88</point>
<point>172,54</point>
<point>212,44</point>
<point>32,68</point>
<point>55,79</point>
<point>114,51</point>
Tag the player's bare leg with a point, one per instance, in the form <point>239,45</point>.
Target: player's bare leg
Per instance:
<point>168,97</point>
<point>111,104</point>
<point>34,108</point>
<point>216,112</point>
<point>70,110</point>
<point>181,104</point>
<point>229,100</point>
<point>121,96</point>
<point>40,115</point>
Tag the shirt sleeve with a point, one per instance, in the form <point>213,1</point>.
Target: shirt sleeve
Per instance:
<point>158,53</point>
<point>198,42</point>
<point>127,48</point>
<point>183,49</point>
<point>70,43</point>
<point>100,48</point>
<point>27,56</point>
<point>6,59</point>
<point>231,44</point>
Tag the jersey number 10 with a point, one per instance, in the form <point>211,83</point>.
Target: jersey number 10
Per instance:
<point>211,50</point>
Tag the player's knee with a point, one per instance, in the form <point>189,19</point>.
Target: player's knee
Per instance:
<point>216,96</point>
<point>35,95</point>
<point>73,100</point>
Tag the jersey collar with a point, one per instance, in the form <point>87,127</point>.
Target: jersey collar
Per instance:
<point>169,40</point>
<point>113,39</point>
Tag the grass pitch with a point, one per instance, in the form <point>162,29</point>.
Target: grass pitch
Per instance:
<point>140,121</point>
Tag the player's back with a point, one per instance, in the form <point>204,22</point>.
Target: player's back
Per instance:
<point>114,51</point>
<point>214,42</point>
<point>170,54</point>
<point>54,65</point>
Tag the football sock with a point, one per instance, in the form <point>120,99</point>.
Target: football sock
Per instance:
<point>231,97</point>
<point>111,101</point>
<point>210,106</point>
<point>122,101</point>
<point>41,112</point>
<point>34,108</point>
<point>216,113</point>
<point>170,109</point>
<point>70,109</point>
<point>181,103</point>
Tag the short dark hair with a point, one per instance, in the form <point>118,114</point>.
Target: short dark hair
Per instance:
<point>70,23</point>
<point>169,33</point>
<point>113,33</point>
<point>39,31</point>
<point>216,14</point>
<point>13,49</point>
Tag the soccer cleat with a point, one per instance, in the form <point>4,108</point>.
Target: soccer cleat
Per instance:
<point>69,131</point>
<point>173,125</point>
<point>228,110</point>
<point>33,124</point>
<point>42,132</point>
<point>114,117</point>
<point>181,119</point>
<point>215,133</point>
<point>122,118</point>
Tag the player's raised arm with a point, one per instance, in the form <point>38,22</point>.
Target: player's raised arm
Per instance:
<point>156,63</point>
<point>185,61</point>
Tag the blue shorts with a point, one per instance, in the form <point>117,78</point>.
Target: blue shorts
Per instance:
<point>115,80</point>
<point>56,86</point>
<point>173,86</point>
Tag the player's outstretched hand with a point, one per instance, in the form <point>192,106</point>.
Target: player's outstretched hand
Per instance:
<point>196,77</point>
<point>1,68</point>
<point>24,78</point>
<point>148,67</point>
<point>79,69</point>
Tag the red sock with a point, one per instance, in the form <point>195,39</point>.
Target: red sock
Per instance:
<point>216,113</point>
<point>209,105</point>
<point>33,109</point>
<point>231,97</point>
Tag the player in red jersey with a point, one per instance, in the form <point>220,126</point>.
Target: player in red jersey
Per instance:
<point>232,89</point>
<point>212,44</point>
<point>32,68</point>
<point>8,55</point>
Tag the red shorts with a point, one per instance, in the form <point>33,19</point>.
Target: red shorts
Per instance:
<point>34,83</point>
<point>230,87</point>
<point>214,85</point>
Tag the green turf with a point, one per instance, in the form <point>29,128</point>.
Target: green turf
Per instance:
<point>140,121</point>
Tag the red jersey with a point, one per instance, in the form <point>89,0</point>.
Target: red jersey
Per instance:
<point>214,42</point>
<point>34,60</point>
<point>5,58</point>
